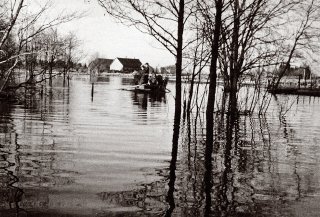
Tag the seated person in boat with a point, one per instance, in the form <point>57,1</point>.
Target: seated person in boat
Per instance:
<point>162,82</point>
<point>137,76</point>
<point>148,78</point>
<point>153,83</point>
<point>157,82</point>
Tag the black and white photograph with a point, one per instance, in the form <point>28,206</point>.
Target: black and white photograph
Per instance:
<point>159,108</point>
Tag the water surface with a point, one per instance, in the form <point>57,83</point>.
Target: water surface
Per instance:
<point>64,152</point>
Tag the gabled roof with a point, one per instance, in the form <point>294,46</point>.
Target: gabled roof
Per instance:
<point>101,62</point>
<point>130,63</point>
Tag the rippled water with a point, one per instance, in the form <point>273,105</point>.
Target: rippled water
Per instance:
<point>65,152</point>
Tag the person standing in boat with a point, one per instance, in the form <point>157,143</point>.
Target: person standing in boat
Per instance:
<point>145,74</point>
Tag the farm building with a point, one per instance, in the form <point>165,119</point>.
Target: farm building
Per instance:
<point>125,65</point>
<point>296,70</point>
<point>168,70</point>
<point>99,65</point>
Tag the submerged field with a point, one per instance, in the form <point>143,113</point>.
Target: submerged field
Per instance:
<point>66,153</point>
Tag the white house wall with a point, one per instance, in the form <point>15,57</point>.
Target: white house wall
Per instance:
<point>116,65</point>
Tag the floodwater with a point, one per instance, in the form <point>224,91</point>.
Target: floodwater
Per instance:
<point>68,152</point>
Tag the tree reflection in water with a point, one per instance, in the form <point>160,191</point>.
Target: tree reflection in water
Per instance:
<point>259,163</point>
<point>249,175</point>
<point>10,194</point>
<point>143,99</point>
<point>19,168</point>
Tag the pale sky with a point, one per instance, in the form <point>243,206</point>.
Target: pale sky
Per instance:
<point>99,33</point>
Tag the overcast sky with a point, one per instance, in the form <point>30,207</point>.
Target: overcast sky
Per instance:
<point>99,33</point>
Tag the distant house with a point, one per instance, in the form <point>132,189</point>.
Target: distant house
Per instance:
<point>168,70</point>
<point>303,72</point>
<point>99,65</point>
<point>125,65</point>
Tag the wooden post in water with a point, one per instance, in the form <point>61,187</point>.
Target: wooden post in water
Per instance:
<point>93,78</point>
<point>92,90</point>
<point>68,77</point>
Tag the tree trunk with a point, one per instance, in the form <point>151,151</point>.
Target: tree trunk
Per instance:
<point>188,109</point>
<point>14,18</point>
<point>210,106</point>
<point>50,70</point>
<point>177,112</point>
<point>275,84</point>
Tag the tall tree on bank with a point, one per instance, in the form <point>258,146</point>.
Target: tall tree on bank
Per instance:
<point>165,21</point>
<point>213,33</point>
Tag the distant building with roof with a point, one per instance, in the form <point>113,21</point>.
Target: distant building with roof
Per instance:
<point>99,65</point>
<point>168,70</point>
<point>296,70</point>
<point>125,65</point>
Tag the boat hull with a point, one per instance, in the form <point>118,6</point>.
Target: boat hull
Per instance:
<point>148,90</point>
<point>295,91</point>
<point>152,91</point>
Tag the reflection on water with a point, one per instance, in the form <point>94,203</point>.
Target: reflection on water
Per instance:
<point>142,100</point>
<point>64,153</point>
<point>60,151</point>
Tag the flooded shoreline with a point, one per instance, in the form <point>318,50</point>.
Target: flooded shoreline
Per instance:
<point>65,153</point>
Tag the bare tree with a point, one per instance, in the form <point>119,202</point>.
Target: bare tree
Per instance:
<point>28,28</point>
<point>246,39</point>
<point>13,16</point>
<point>72,44</point>
<point>301,35</point>
<point>9,20</point>
<point>198,57</point>
<point>165,21</point>
<point>213,36</point>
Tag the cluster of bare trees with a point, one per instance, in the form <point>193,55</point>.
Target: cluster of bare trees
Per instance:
<point>232,38</point>
<point>47,55</point>
<point>29,40</point>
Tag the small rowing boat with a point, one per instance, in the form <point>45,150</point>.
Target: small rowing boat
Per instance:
<point>146,88</point>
